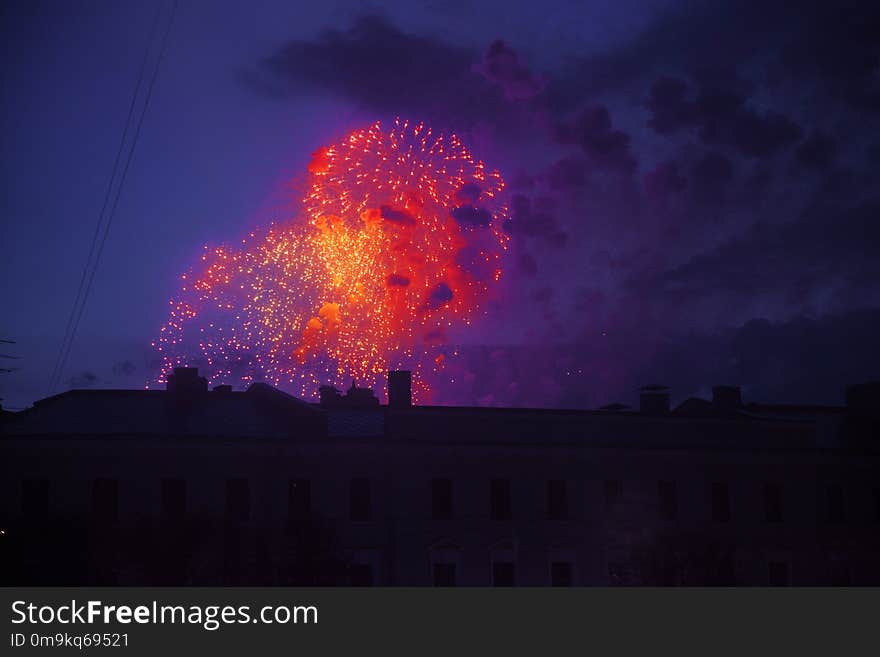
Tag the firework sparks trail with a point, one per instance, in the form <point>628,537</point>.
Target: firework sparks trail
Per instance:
<point>401,234</point>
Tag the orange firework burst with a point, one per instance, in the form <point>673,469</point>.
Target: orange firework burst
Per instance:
<point>401,235</point>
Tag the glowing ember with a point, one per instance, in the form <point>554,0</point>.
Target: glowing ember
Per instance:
<point>401,234</point>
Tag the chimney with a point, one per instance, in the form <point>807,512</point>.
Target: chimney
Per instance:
<point>654,400</point>
<point>399,389</point>
<point>726,397</point>
<point>186,380</point>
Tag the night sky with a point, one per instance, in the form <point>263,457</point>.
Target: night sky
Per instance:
<point>693,185</point>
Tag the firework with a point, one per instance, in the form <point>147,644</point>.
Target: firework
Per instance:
<point>398,239</point>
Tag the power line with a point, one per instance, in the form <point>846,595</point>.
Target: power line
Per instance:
<point>90,270</point>
<point>88,264</point>
<point>78,299</point>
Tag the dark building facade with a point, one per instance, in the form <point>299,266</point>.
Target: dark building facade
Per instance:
<point>191,486</point>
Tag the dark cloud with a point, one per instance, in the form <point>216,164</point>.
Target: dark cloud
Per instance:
<point>441,294</point>
<point>124,368</point>
<point>712,170</point>
<point>722,117</point>
<point>606,148</point>
<point>730,100</point>
<point>397,280</point>
<point>472,216</point>
<point>527,264</point>
<point>830,48</point>
<point>397,216</point>
<point>535,218</point>
<point>664,180</point>
<point>837,45</point>
<point>567,174</point>
<point>85,379</point>
<point>805,359</point>
<point>670,108</point>
<point>378,65</point>
<point>727,121</point>
<point>544,294</point>
<point>502,66</point>
<point>469,193</point>
<point>829,247</point>
<point>817,152</point>
<point>801,360</point>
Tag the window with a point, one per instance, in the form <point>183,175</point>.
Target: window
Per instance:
<point>778,571</point>
<point>720,502</point>
<point>360,504</point>
<point>35,499</point>
<point>299,499</point>
<point>173,499</point>
<point>835,508</point>
<point>668,500</point>
<point>361,574</point>
<point>772,503</point>
<point>105,499</point>
<point>238,500</point>
<point>444,574</point>
<point>613,493</point>
<point>499,499</point>
<point>557,499</point>
<point>441,499</point>
<point>503,573</point>
<point>561,573</point>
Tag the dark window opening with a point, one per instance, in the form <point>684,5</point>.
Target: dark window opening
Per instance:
<point>499,499</point>
<point>561,573</point>
<point>299,499</point>
<point>35,499</point>
<point>836,511</point>
<point>361,574</point>
<point>503,573</point>
<point>557,499</point>
<point>778,573</point>
<point>772,503</point>
<point>105,499</point>
<point>667,493</point>
<point>613,493</point>
<point>238,500</point>
<point>441,499</point>
<point>720,502</point>
<point>444,574</point>
<point>360,504</point>
<point>173,499</point>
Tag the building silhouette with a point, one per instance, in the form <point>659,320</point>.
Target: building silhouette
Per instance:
<point>195,486</point>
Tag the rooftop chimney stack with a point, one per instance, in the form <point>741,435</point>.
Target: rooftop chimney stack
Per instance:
<point>186,380</point>
<point>654,400</point>
<point>726,397</point>
<point>400,389</point>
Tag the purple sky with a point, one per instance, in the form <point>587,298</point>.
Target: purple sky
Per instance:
<point>694,184</point>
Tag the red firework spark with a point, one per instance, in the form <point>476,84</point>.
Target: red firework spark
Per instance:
<point>400,236</point>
